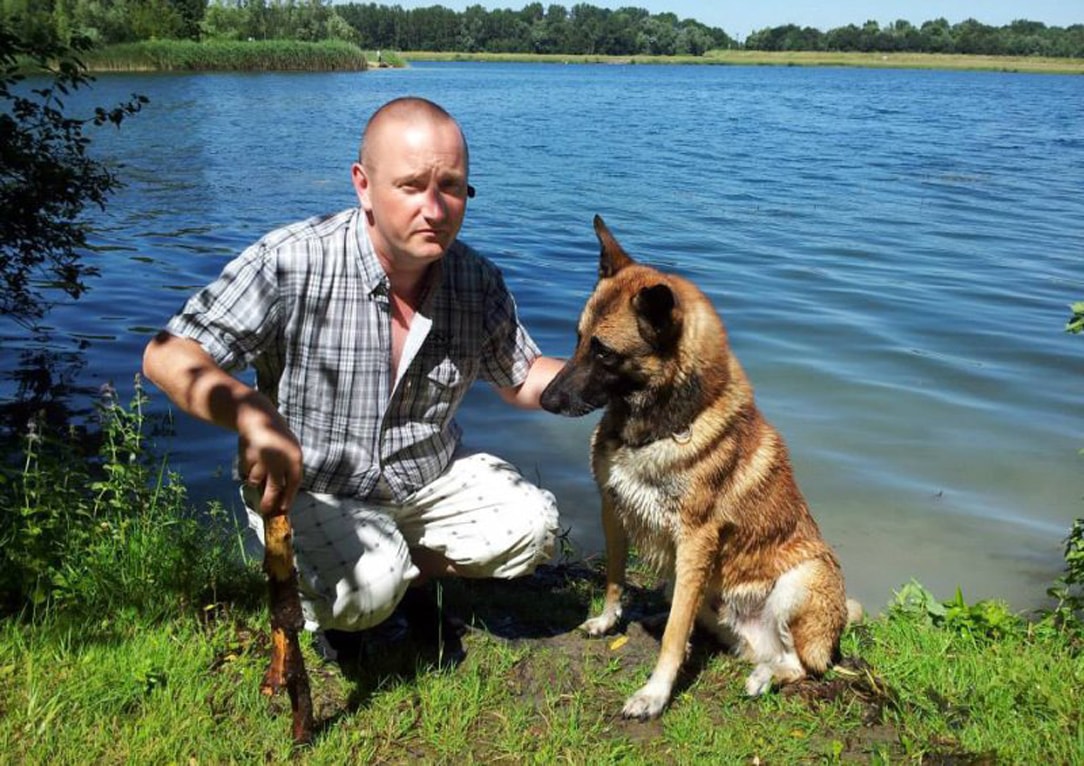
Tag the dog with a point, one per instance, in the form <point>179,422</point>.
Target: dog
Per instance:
<point>692,475</point>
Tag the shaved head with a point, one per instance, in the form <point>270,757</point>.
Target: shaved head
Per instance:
<point>395,115</point>
<point>411,182</point>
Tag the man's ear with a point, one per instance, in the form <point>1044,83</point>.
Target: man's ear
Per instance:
<point>658,315</point>
<point>360,179</point>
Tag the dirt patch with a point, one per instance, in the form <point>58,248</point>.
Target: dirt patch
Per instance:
<point>560,598</point>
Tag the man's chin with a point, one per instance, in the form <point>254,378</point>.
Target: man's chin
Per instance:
<point>431,247</point>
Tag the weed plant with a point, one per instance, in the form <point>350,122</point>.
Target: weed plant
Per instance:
<point>91,523</point>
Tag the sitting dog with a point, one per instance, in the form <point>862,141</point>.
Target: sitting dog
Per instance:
<point>698,481</point>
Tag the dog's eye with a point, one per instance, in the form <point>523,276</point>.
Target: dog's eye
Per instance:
<point>602,352</point>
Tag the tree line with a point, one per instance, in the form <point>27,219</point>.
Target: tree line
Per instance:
<point>1020,38</point>
<point>535,28</point>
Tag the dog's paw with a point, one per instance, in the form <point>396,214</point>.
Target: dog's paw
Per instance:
<point>759,681</point>
<point>601,625</point>
<point>647,703</point>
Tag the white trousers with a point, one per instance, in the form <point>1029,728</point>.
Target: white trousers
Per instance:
<point>353,556</point>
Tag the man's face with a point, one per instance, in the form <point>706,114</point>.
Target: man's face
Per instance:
<point>413,188</point>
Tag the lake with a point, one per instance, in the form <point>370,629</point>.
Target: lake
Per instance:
<point>893,251</point>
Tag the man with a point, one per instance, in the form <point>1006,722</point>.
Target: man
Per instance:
<point>365,329</point>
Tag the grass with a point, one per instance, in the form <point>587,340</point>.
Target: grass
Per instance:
<point>1033,64</point>
<point>135,633</point>
<point>530,690</point>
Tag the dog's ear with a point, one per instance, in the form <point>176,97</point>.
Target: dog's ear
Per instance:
<point>612,257</point>
<point>658,315</point>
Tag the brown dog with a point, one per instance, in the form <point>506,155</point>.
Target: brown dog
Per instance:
<point>693,476</point>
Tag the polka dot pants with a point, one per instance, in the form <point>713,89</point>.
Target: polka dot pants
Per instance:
<point>353,556</point>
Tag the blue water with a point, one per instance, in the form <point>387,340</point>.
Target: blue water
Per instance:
<point>893,252</point>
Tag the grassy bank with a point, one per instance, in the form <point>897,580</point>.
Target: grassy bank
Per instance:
<point>122,689</point>
<point>801,58</point>
<point>136,632</point>
<point>244,56</point>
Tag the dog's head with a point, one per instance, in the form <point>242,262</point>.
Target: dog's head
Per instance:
<point>628,335</point>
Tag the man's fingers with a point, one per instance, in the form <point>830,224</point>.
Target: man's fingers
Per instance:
<point>275,499</point>
<point>256,475</point>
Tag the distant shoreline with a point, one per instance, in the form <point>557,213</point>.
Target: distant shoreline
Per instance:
<point>287,55</point>
<point>1023,64</point>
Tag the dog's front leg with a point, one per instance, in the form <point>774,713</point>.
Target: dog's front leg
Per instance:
<point>617,550</point>
<point>694,559</point>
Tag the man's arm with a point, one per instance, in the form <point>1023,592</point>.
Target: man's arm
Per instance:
<point>270,453</point>
<point>527,394</point>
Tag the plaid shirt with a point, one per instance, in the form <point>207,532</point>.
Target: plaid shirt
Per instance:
<point>308,308</point>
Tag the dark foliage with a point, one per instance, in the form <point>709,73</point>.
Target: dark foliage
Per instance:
<point>1020,38</point>
<point>47,177</point>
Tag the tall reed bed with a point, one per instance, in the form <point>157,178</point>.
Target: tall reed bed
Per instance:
<point>228,55</point>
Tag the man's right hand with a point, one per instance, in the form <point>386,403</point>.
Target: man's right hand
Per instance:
<point>270,459</point>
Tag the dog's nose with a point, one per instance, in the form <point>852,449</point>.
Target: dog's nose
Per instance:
<point>553,400</point>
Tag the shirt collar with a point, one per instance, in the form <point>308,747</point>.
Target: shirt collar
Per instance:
<point>375,279</point>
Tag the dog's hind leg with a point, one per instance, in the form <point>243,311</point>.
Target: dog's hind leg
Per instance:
<point>821,619</point>
<point>798,631</point>
<point>767,641</point>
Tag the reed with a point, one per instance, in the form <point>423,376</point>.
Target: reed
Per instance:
<point>228,55</point>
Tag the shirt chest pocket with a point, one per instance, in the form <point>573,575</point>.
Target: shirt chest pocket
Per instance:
<point>445,383</point>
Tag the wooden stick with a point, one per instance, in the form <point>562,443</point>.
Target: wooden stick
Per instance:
<point>287,667</point>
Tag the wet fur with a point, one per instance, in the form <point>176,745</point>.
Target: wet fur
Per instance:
<point>697,481</point>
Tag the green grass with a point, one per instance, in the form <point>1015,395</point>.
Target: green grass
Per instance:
<point>1034,64</point>
<point>186,689</point>
<point>256,55</point>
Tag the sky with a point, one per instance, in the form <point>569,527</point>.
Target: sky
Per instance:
<point>738,19</point>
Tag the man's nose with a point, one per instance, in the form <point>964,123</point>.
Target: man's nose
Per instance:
<point>434,207</point>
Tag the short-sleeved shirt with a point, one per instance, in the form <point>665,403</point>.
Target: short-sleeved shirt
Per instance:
<point>308,308</point>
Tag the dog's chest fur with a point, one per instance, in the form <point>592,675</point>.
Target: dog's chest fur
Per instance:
<point>647,497</point>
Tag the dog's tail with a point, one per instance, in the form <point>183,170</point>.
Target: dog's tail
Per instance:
<point>855,612</point>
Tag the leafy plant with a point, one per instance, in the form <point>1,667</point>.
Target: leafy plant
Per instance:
<point>1075,324</point>
<point>1068,590</point>
<point>47,177</point>
<point>983,620</point>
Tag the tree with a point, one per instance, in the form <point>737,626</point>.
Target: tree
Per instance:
<point>47,177</point>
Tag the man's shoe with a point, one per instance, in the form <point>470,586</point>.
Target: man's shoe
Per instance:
<point>337,646</point>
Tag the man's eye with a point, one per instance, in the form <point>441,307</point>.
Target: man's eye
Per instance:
<point>455,188</point>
